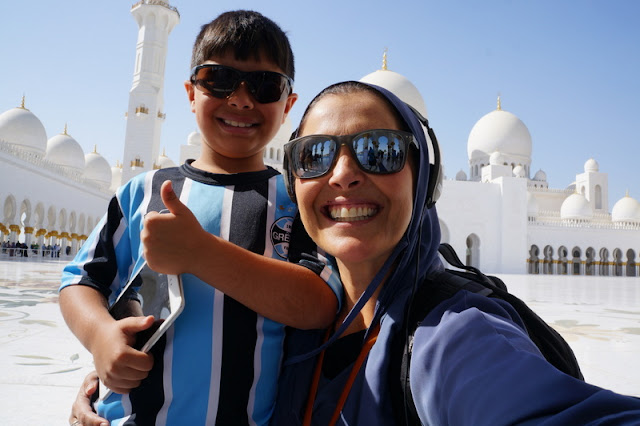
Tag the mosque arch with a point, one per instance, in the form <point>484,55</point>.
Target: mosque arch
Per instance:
<point>547,263</point>
<point>563,263</point>
<point>576,261</point>
<point>473,251</point>
<point>590,262</point>
<point>62,220</point>
<point>604,262</point>
<point>25,213</point>
<point>9,210</point>
<point>81,223</point>
<point>534,260</point>
<point>598,196</point>
<point>39,215</point>
<point>631,263</point>
<point>617,262</point>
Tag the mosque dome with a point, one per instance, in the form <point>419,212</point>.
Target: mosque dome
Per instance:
<point>532,205</point>
<point>627,209</point>
<point>591,165</point>
<point>519,171</point>
<point>499,131</point>
<point>194,139</point>
<point>19,126</point>
<point>461,175</point>
<point>540,176</point>
<point>398,84</point>
<point>496,159</point>
<point>97,169</point>
<point>65,151</point>
<point>116,176</point>
<point>164,162</point>
<point>576,206</point>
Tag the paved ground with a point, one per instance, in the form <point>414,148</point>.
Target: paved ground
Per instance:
<point>41,363</point>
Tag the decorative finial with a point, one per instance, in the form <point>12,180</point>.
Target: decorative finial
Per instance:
<point>164,152</point>
<point>22,103</point>
<point>64,132</point>
<point>627,194</point>
<point>499,103</point>
<point>95,149</point>
<point>384,59</point>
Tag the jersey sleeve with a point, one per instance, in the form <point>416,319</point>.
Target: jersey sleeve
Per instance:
<point>107,257</point>
<point>304,252</point>
<point>473,363</point>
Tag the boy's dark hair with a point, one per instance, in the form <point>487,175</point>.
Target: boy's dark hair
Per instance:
<point>247,34</point>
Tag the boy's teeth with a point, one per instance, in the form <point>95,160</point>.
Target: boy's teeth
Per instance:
<point>236,123</point>
<point>344,214</point>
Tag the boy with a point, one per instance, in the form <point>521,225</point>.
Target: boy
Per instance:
<point>220,361</point>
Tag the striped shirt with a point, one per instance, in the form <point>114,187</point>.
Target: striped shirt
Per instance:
<point>219,363</point>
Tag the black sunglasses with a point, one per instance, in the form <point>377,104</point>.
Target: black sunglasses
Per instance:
<point>221,81</point>
<point>377,151</point>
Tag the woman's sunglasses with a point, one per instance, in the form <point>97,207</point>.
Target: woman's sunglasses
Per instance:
<point>221,81</point>
<point>377,151</point>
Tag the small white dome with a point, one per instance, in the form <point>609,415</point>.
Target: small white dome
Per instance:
<point>591,166</point>
<point>576,206</point>
<point>496,159</point>
<point>627,209</point>
<point>64,150</point>
<point>116,177</point>
<point>519,171</point>
<point>532,205</point>
<point>499,131</point>
<point>400,86</point>
<point>97,169</point>
<point>19,126</point>
<point>164,162</point>
<point>194,139</point>
<point>540,176</point>
<point>461,175</point>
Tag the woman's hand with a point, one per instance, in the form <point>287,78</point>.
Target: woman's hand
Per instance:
<point>81,411</point>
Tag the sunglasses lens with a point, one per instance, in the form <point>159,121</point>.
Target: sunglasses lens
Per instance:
<point>312,156</point>
<point>267,86</point>
<point>380,151</point>
<point>217,80</point>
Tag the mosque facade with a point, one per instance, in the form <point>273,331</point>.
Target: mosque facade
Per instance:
<point>497,215</point>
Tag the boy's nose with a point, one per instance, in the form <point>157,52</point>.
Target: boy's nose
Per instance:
<point>241,97</point>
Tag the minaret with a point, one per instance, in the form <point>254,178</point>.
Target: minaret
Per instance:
<point>145,115</point>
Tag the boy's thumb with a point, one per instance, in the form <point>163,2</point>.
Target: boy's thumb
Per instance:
<point>170,199</point>
<point>133,325</point>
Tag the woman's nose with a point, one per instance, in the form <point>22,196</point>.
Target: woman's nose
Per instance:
<point>346,174</point>
<point>241,98</point>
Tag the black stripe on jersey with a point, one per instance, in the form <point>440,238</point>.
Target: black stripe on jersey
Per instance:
<point>103,265</point>
<point>177,181</point>
<point>247,230</point>
<point>148,398</point>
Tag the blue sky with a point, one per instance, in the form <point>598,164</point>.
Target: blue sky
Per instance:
<point>569,70</point>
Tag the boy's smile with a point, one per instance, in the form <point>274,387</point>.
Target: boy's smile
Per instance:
<point>236,129</point>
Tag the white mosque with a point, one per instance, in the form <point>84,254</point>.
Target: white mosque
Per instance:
<point>496,216</point>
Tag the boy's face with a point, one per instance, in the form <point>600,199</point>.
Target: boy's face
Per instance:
<point>236,129</point>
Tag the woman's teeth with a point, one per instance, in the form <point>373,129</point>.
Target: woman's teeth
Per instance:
<point>344,214</point>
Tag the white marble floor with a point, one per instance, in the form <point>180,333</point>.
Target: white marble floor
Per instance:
<point>42,364</point>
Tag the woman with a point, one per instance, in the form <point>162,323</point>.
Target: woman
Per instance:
<point>472,361</point>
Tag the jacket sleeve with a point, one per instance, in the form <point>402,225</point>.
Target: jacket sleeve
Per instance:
<point>473,363</point>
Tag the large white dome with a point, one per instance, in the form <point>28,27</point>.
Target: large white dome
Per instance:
<point>627,209</point>
<point>21,127</point>
<point>164,162</point>
<point>400,86</point>
<point>97,169</point>
<point>499,131</point>
<point>576,206</point>
<point>591,165</point>
<point>64,150</point>
<point>194,139</point>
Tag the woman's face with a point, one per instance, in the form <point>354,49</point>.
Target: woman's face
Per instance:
<point>355,216</point>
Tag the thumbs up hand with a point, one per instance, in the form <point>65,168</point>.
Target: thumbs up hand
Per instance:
<point>171,240</point>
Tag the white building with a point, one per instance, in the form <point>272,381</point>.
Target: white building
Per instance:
<point>496,215</point>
